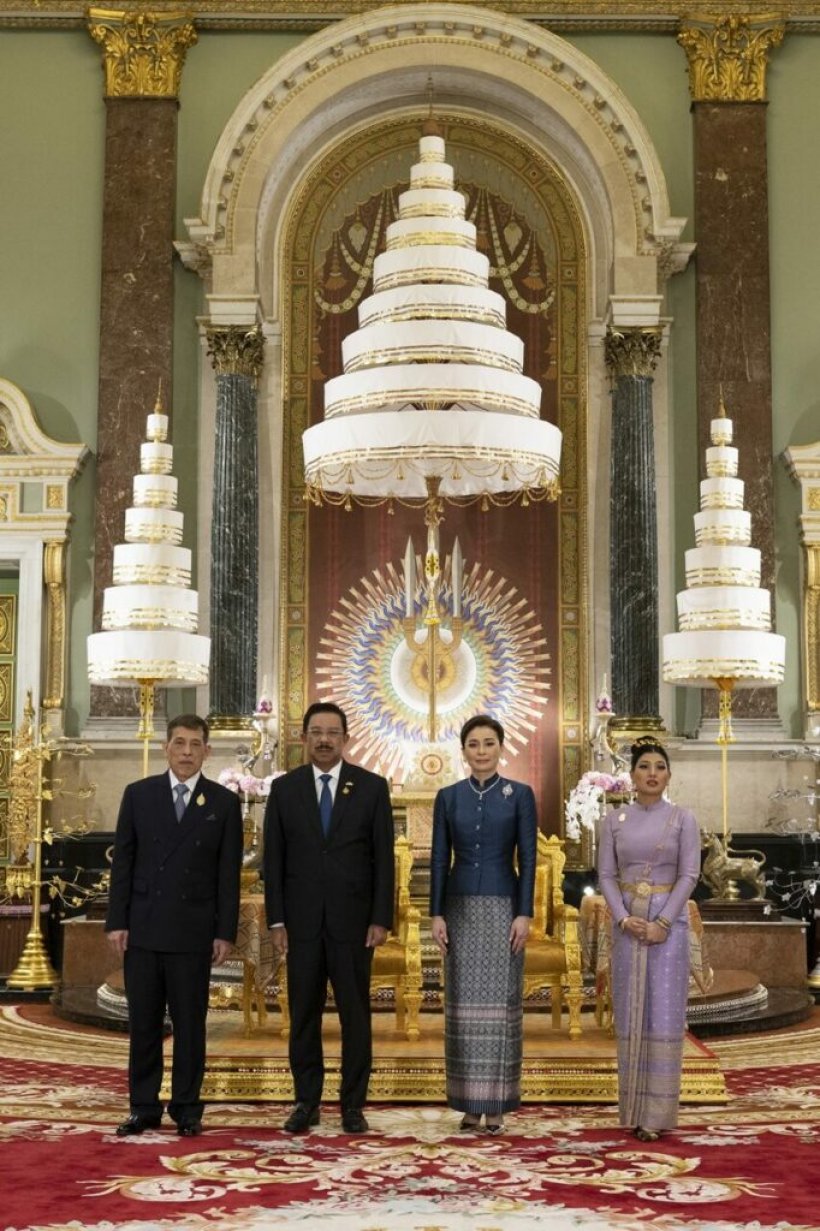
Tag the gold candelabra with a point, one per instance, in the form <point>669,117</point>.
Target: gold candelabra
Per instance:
<point>27,829</point>
<point>432,644</point>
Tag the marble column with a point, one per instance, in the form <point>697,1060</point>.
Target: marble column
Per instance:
<point>631,355</point>
<point>143,55</point>
<point>727,59</point>
<point>236,353</point>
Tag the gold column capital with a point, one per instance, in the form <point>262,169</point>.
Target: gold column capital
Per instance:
<point>143,51</point>
<point>632,352</point>
<point>236,350</point>
<point>728,55</point>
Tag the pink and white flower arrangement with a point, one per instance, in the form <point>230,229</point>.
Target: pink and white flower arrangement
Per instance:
<point>583,807</point>
<point>249,785</point>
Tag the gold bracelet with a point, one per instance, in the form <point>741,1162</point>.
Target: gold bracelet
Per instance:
<point>664,922</point>
<point>623,922</point>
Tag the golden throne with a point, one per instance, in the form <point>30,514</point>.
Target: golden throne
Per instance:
<point>396,963</point>
<point>553,953</point>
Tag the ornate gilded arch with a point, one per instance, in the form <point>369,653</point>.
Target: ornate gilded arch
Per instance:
<point>529,567</point>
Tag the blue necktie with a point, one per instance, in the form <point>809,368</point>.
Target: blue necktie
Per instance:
<point>180,790</point>
<point>325,803</point>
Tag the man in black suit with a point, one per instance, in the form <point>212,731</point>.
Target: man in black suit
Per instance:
<point>173,910</point>
<point>328,859</point>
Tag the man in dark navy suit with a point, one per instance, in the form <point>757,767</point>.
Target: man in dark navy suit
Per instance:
<point>328,858</point>
<point>173,910</point>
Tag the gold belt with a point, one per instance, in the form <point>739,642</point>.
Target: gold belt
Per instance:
<point>645,889</point>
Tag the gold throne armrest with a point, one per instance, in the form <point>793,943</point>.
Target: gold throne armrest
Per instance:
<point>396,963</point>
<point>553,953</point>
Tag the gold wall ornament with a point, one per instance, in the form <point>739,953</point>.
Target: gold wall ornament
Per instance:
<point>803,462</point>
<point>143,50</point>
<point>727,55</point>
<point>632,352</point>
<point>811,622</point>
<point>54,578</point>
<point>235,350</point>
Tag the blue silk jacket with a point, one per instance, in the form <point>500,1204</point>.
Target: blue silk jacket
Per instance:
<point>477,837</point>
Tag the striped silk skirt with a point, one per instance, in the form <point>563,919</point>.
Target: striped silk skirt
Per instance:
<point>483,1011</point>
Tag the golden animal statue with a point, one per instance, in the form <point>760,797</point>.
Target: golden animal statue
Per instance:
<point>723,867</point>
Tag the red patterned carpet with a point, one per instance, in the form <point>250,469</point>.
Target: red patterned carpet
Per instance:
<point>747,1164</point>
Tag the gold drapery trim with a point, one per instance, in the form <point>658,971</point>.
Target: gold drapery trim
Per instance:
<point>136,669</point>
<point>632,352</point>
<point>235,350</point>
<point>150,618</point>
<point>684,669</point>
<point>150,574</point>
<point>723,576</point>
<point>728,55</point>
<point>143,50</point>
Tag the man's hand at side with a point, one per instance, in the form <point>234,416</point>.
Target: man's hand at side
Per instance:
<point>221,951</point>
<point>118,940</point>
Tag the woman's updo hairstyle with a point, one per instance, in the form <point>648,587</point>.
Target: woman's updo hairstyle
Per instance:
<point>481,720</point>
<point>647,744</point>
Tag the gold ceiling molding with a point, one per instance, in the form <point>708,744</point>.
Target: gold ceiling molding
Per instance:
<point>728,55</point>
<point>143,50</point>
<point>306,15</point>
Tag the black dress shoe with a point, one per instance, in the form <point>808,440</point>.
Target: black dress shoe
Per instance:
<point>353,1120</point>
<point>303,1117</point>
<point>136,1124</point>
<point>189,1128</point>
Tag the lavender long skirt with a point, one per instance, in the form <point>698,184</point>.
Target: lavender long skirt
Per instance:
<point>483,1007</point>
<point>650,984</point>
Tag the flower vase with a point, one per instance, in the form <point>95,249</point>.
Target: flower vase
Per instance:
<point>589,846</point>
<point>252,853</point>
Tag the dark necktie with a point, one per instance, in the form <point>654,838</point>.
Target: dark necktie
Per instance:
<point>179,803</point>
<point>325,803</point>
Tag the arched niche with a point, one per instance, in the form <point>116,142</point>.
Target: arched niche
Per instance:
<point>547,95</point>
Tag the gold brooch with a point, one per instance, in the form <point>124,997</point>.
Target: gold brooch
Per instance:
<point>347,788</point>
<point>200,799</point>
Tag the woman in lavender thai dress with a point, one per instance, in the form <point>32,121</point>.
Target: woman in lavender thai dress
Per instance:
<point>481,904</point>
<point>648,865</point>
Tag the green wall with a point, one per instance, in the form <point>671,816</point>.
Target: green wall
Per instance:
<point>52,123</point>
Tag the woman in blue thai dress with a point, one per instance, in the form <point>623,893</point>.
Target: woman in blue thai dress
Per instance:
<point>481,904</point>
<point>648,865</point>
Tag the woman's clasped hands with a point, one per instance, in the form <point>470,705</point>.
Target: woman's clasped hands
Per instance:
<point>646,931</point>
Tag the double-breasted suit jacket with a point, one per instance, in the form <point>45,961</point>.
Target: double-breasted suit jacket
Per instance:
<point>175,884</point>
<point>341,883</point>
